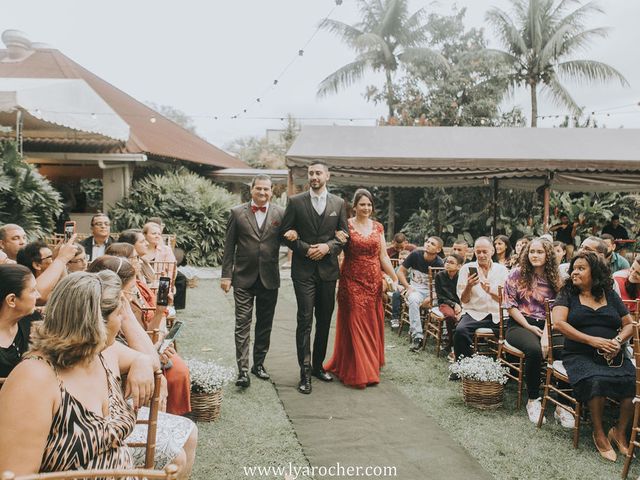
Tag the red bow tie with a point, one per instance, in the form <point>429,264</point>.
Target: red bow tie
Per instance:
<point>255,208</point>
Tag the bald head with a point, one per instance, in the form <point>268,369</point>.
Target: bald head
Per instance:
<point>12,239</point>
<point>483,248</point>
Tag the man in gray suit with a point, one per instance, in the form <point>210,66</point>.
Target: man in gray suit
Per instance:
<point>315,216</point>
<point>250,265</point>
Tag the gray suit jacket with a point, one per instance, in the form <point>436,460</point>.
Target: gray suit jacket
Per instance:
<point>301,217</point>
<point>250,251</point>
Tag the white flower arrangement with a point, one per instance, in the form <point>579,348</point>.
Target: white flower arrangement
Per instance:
<point>207,376</point>
<point>481,368</point>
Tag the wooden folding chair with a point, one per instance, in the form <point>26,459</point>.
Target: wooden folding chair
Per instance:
<point>557,381</point>
<point>170,472</point>
<point>634,307</point>
<point>506,350</point>
<point>152,424</point>
<point>433,321</point>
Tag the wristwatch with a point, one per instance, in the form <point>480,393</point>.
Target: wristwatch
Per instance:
<point>618,339</point>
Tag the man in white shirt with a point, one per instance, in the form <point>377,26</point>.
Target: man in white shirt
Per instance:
<point>478,284</point>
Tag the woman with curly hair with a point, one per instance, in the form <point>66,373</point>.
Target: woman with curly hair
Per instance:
<point>596,324</point>
<point>529,284</point>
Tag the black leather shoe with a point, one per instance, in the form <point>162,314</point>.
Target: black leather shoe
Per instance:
<point>322,375</point>
<point>243,380</point>
<point>305,384</point>
<point>260,372</point>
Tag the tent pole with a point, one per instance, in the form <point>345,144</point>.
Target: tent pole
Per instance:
<point>291,188</point>
<point>494,227</point>
<point>545,219</point>
<point>391,221</point>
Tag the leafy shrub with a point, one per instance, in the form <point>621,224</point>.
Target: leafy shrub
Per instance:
<point>26,197</point>
<point>191,206</point>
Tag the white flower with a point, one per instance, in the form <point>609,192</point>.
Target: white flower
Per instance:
<point>207,376</point>
<point>481,368</point>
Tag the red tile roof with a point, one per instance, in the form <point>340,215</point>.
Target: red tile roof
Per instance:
<point>163,138</point>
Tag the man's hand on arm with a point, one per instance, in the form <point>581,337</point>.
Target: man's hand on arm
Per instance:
<point>318,251</point>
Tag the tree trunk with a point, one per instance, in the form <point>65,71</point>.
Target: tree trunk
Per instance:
<point>534,104</point>
<point>389,86</point>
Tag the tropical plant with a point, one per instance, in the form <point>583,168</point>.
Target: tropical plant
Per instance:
<point>540,37</point>
<point>386,37</point>
<point>26,197</point>
<point>191,206</point>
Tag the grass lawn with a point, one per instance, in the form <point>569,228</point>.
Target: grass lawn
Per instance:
<point>254,429</point>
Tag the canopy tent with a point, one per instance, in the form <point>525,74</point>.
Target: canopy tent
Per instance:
<point>575,159</point>
<point>69,103</point>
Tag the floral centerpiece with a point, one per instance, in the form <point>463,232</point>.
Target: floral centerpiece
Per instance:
<point>483,380</point>
<point>207,380</point>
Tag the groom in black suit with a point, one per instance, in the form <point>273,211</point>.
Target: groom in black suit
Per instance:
<point>315,215</point>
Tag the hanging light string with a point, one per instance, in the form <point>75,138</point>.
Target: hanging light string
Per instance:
<point>603,111</point>
<point>297,55</point>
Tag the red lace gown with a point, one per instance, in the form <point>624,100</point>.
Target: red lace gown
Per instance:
<point>358,352</point>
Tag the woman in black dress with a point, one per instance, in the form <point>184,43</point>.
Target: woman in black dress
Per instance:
<point>595,324</point>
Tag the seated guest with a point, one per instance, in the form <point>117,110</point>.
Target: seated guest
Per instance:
<point>136,238</point>
<point>18,294</point>
<point>461,247</point>
<point>95,244</point>
<point>448,302</point>
<point>418,262</point>
<point>12,239</point>
<point>477,289</point>
<point>156,251</point>
<point>628,282</point>
<point>613,228</point>
<point>616,261</point>
<point>178,380</point>
<point>503,250</point>
<point>400,244</point>
<point>590,244</point>
<point>36,256</point>
<point>79,262</point>
<point>527,287</point>
<point>48,270</point>
<point>560,251</point>
<point>68,384</point>
<point>566,232</point>
<point>595,324</point>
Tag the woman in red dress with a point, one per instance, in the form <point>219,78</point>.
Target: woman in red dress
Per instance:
<point>358,352</point>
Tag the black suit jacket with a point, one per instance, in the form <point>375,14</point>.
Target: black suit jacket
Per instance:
<point>250,251</point>
<point>87,243</point>
<point>299,216</point>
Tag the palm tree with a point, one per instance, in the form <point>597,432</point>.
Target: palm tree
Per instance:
<point>385,37</point>
<point>539,40</point>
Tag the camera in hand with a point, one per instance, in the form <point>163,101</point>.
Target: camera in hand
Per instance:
<point>164,284</point>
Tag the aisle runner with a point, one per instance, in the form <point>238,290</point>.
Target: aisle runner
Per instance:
<point>378,429</point>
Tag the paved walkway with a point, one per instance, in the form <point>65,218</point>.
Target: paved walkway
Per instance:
<point>375,427</point>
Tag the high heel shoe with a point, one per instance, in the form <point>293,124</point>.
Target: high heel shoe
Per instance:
<point>614,441</point>
<point>606,454</point>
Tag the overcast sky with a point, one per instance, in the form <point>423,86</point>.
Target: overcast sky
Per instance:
<point>214,58</point>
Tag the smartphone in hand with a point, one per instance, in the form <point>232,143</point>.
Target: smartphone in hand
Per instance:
<point>163,291</point>
<point>473,271</point>
<point>69,230</point>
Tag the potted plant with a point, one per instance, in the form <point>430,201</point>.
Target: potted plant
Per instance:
<point>483,380</point>
<point>207,380</point>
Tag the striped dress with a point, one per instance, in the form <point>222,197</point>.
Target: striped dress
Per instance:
<point>81,440</point>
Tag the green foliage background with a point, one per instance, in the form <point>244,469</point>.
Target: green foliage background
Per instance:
<point>26,197</point>
<point>191,206</point>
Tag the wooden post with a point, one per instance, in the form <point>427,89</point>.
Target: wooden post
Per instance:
<point>391,221</point>
<point>494,227</point>
<point>545,218</point>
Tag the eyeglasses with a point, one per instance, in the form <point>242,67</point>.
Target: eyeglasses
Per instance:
<point>101,224</point>
<point>46,258</point>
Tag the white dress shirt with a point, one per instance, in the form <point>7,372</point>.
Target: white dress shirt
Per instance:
<point>319,202</point>
<point>98,250</point>
<point>481,303</point>
<point>260,215</point>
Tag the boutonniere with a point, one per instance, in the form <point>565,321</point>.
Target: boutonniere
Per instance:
<point>275,223</point>
<point>333,214</point>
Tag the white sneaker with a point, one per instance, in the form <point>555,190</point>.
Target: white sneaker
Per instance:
<point>395,323</point>
<point>564,418</point>
<point>533,411</point>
